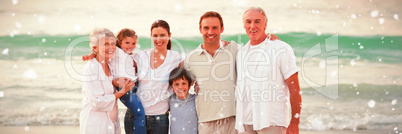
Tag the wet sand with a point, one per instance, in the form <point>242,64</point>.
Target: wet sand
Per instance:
<point>76,130</point>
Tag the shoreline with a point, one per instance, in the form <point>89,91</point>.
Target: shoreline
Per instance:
<point>75,130</point>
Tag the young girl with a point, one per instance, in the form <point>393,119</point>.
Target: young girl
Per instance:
<point>134,120</point>
<point>182,104</point>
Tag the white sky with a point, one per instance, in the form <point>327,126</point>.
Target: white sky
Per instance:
<point>67,17</point>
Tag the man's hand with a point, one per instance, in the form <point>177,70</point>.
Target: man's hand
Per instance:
<point>273,37</point>
<point>225,43</point>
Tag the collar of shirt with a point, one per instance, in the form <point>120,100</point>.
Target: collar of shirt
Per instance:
<point>201,50</point>
<point>267,40</point>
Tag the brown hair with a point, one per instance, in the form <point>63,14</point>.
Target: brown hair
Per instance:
<point>211,14</point>
<point>124,33</point>
<point>164,24</point>
<point>180,73</point>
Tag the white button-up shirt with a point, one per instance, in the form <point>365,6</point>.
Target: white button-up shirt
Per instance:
<point>98,101</point>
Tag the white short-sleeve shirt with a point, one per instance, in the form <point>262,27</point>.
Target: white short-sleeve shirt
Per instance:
<point>261,91</point>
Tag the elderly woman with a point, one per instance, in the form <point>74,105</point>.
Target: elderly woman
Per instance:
<point>99,104</point>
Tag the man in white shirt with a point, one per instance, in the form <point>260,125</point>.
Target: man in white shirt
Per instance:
<point>266,78</point>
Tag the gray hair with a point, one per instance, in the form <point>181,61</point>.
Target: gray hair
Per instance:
<point>258,9</point>
<point>99,33</point>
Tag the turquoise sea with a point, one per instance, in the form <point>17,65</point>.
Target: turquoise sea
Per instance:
<point>371,48</point>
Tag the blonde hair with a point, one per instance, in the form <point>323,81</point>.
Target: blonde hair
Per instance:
<point>258,9</point>
<point>99,33</point>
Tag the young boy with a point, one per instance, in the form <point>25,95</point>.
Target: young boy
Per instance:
<point>182,104</point>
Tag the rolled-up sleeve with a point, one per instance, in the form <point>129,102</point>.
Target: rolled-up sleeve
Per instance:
<point>288,62</point>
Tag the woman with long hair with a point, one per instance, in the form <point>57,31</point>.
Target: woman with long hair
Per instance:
<point>154,66</point>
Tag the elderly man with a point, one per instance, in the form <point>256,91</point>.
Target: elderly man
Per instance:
<point>266,78</point>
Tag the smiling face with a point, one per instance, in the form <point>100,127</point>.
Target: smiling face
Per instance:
<point>211,30</point>
<point>105,49</point>
<point>128,44</point>
<point>160,38</point>
<point>180,88</point>
<point>255,25</point>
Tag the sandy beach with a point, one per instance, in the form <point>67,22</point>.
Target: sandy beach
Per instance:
<point>75,130</point>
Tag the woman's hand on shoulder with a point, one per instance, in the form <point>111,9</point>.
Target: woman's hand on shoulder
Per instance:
<point>88,57</point>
